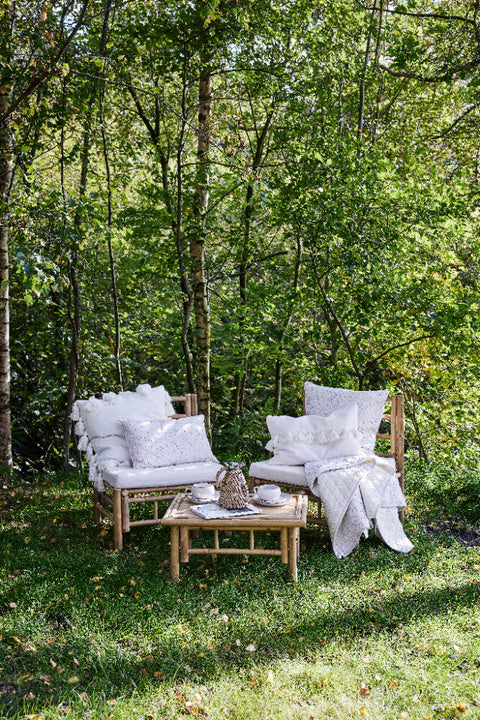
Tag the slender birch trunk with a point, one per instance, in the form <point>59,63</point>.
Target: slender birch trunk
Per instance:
<point>6,170</point>
<point>197,248</point>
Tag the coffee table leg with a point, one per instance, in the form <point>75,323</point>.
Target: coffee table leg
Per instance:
<point>184,544</point>
<point>284,544</point>
<point>292,553</point>
<point>174,550</point>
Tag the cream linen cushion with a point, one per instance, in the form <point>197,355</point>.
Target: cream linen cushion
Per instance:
<point>296,441</point>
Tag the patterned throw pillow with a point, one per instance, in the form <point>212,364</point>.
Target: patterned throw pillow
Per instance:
<point>164,441</point>
<point>320,400</point>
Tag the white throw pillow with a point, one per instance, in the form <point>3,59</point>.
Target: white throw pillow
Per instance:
<point>101,417</point>
<point>165,441</point>
<point>296,441</point>
<point>320,400</point>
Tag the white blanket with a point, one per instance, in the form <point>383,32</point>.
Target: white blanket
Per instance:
<point>358,493</point>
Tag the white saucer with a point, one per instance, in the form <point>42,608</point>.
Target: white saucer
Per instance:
<point>202,502</point>
<point>284,499</point>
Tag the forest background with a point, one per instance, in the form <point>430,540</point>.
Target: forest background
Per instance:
<point>232,197</point>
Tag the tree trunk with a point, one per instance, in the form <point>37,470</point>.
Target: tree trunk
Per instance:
<point>6,169</point>
<point>175,212</point>
<point>113,274</point>
<point>74,297</point>
<point>177,227</point>
<point>74,290</point>
<point>197,249</point>
<point>248,214</point>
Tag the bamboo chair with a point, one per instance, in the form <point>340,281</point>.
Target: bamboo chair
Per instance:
<point>393,437</point>
<point>116,504</point>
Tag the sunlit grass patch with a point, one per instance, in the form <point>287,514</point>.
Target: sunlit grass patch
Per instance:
<point>88,632</point>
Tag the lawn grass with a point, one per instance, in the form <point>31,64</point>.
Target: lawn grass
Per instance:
<point>87,632</point>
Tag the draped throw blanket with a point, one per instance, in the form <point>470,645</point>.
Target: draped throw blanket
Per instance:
<point>358,493</point>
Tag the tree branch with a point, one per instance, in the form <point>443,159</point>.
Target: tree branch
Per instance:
<point>431,78</point>
<point>40,79</point>
<point>455,122</point>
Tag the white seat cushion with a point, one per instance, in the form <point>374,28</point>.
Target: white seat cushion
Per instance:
<point>290,474</point>
<point>130,478</point>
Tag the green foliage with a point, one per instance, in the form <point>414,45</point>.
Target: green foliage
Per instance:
<point>341,232</point>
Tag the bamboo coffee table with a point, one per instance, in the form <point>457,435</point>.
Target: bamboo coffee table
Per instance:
<point>287,519</point>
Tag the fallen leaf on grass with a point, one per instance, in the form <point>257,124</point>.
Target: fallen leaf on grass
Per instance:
<point>363,711</point>
<point>251,647</point>
<point>461,707</point>
<point>365,692</point>
<point>73,680</point>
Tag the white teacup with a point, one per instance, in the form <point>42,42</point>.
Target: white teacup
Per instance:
<point>203,491</point>
<point>268,493</point>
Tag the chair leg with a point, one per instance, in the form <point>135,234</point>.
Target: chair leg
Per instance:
<point>125,511</point>
<point>117,520</point>
<point>97,515</point>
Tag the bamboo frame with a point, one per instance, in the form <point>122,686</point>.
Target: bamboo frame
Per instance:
<point>114,504</point>
<point>396,436</point>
